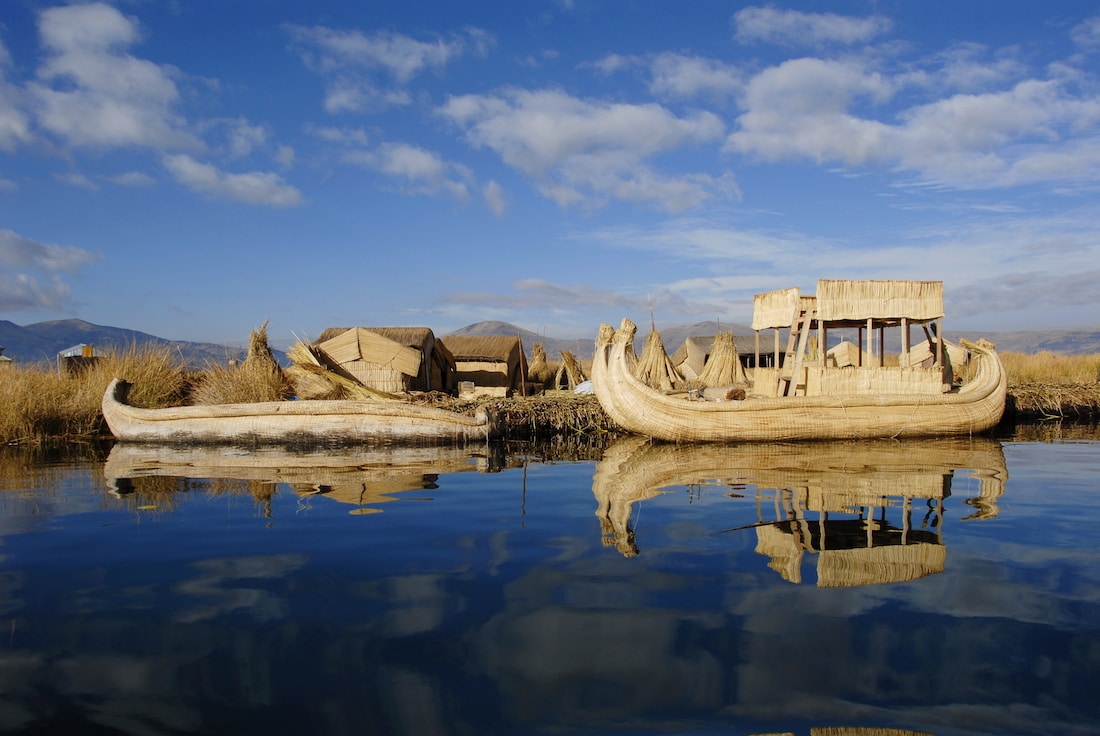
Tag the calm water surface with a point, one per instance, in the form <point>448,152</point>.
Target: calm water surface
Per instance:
<point>938,587</point>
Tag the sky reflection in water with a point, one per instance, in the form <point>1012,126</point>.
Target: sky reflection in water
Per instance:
<point>948,587</point>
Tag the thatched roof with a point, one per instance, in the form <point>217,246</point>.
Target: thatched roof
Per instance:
<point>362,344</point>
<point>776,309</point>
<point>844,300</point>
<point>413,337</point>
<point>485,348</point>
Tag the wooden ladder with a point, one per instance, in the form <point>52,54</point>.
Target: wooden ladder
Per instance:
<point>796,352</point>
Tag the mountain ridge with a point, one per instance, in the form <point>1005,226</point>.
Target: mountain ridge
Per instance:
<point>42,341</point>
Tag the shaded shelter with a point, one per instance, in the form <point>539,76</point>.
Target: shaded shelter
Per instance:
<point>494,364</point>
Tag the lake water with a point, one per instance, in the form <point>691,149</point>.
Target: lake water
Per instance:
<point>936,587</point>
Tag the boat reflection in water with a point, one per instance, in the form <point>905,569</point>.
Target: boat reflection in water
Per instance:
<point>872,511</point>
<point>362,477</point>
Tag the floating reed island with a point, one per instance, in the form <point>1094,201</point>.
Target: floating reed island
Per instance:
<point>42,406</point>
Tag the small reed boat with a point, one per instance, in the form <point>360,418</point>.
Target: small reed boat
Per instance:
<point>809,394</point>
<point>293,422</point>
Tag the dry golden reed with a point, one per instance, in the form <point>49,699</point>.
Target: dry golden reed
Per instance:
<point>1049,368</point>
<point>44,402</point>
<point>253,380</point>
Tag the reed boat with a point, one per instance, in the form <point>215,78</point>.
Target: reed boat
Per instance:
<point>869,511</point>
<point>293,422</point>
<point>811,394</point>
<point>363,477</point>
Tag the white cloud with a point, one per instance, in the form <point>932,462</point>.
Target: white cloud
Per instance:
<point>351,61</point>
<point>132,179</point>
<point>89,92</point>
<point>967,67</point>
<point>19,252</point>
<point>416,170</point>
<point>30,272</point>
<point>493,195</point>
<point>1087,33</point>
<point>578,150</point>
<point>14,123</point>
<point>256,187</point>
<point>242,137</point>
<point>800,109</point>
<point>75,179</point>
<point>678,76</point>
<point>824,111</point>
<point>792,27</point>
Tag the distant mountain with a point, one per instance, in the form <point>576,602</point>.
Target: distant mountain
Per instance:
<point>581,348</point>
<point>42,341</point>
<point>1069,342</point>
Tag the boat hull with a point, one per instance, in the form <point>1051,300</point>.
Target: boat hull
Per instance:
<point>292,422</point>
<point>642,410</point>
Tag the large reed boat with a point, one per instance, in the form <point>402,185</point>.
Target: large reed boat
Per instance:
<point>810,392</point>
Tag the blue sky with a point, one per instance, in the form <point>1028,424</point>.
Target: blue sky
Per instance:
<point>193,169</point>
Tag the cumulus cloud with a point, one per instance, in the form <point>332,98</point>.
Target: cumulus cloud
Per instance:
<point>795,28</point>
<point>31,272</point>
<point>581,151</point>
<point>352,63</point>
<point>801,109</point>
<point>679,76</point>
<point>824,111</point>
<point>415,170</point>
<point>256,187</point>
<point>90,93</point>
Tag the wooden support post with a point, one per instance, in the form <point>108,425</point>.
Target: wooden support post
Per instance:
<point>904,362</point>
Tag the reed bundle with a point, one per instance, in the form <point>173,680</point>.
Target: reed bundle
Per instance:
<point>654,367</point>
<point>570,374</point>
<point>539,369</point>
<point>723,368</point>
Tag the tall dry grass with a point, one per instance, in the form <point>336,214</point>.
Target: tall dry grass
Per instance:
<point>40,403</point>
<point>254,380</point>
<point>1053,369</point>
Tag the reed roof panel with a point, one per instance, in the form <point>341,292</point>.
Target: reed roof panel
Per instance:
<point>776,309</point>
<point>848,300</point>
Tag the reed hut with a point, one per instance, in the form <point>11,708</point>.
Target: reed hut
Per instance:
<point>389,359</point>
<point>76,361</point>
<point>494,365</point>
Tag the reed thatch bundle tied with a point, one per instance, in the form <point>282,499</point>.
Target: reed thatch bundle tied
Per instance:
<point>654,367</point>
<point>570,374</point>
<point>540,370</point>
<point>258,347</point>
<point>314,378</point>
<point>724,366</point>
